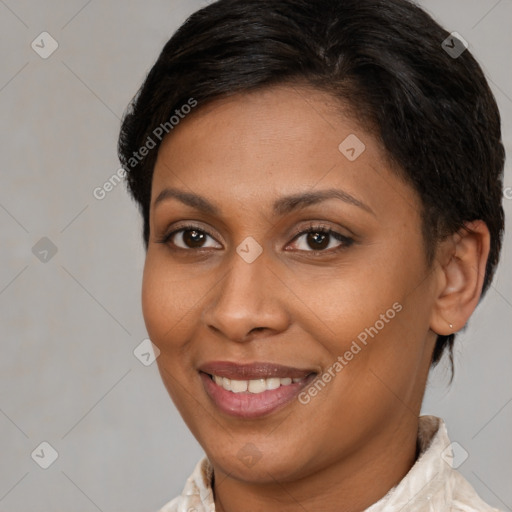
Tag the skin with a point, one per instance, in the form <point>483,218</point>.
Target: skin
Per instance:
<point>295,307</point>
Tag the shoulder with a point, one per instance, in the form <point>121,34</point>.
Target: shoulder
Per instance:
<point>433,483</point>
<point>197,494</point>
<point>171,506</point>
<point>465,498</point>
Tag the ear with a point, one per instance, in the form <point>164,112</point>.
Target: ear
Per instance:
<point>462,260</point>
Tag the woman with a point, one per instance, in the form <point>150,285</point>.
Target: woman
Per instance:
<point>320,183</point>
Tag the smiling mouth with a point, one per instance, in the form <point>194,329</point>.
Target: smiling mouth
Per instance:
<point>250,391</point>
<point>255,386</point>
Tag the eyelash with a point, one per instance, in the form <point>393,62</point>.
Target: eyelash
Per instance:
<point>325,230</point>
<point>312,228</point>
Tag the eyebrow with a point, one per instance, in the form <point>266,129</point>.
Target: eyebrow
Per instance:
<point>282,206</point>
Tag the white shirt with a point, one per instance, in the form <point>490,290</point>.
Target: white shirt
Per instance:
<point>431,485</point>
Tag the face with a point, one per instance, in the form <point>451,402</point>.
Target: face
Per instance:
<point>287,265</point>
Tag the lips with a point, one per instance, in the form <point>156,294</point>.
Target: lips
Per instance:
<point>240,389</point>
<point>253,371</point>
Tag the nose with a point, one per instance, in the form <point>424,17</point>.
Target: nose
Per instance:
<point>249,302</point>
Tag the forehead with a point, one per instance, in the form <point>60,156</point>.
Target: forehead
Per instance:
<point>282,139</point>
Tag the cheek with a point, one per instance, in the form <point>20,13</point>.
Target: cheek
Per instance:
<point>168,299</point>
<point>340,304</point>
<point>375,310</point>
<point>383,343</point>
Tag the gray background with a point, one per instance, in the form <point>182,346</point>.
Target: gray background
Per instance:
<point>68,374</point>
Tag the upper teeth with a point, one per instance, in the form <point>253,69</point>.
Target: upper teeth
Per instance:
<point>253,386</point>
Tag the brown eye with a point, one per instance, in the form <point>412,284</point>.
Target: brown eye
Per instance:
<point>317,240</point>
<point>193,238</point>
<point>320,239</point>
<point>190,237</point>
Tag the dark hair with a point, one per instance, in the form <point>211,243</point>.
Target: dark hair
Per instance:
<point>431,108</point>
